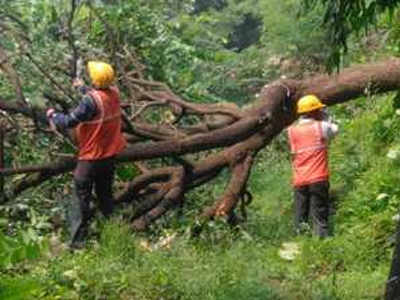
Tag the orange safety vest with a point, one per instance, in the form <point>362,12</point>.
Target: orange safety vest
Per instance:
<point>310,153</point>
<point>101,137</point>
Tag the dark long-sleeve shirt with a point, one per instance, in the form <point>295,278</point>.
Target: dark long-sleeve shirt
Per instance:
<point>85,111</point>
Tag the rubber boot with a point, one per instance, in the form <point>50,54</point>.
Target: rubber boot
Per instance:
<point>79,214</point>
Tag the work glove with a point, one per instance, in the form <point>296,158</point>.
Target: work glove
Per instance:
<point>77,83</point>
<point>50,113</point>
<point>80,86</point>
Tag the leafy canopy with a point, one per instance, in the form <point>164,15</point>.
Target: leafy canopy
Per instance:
<point>343,17</point>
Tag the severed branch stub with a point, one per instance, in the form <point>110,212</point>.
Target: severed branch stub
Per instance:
<point>234,190</point>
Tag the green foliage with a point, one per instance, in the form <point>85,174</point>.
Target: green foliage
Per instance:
<point>283,33</point>
<point>203,5</point>
<point>19,288</point>
<point>368,144</point>
<point>25,246</point>
<point>291,33</point>
<point>342,18</point>
<point>126,269</point>
<point>38,209</point>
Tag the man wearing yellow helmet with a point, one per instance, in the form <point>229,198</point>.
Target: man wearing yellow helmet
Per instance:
<point>309,139</point>
<point>97,124</point>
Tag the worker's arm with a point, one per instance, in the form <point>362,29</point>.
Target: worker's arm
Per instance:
<point>85,111</point>
<point>329,129</point>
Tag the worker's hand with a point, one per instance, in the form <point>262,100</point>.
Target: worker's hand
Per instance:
<point>325,115</point>
<point>52,125</point>
<point>77,83</point>
<point>50,112</point>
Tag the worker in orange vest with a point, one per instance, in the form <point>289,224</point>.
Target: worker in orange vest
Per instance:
<point>309,139</point>
<point>97,124</point>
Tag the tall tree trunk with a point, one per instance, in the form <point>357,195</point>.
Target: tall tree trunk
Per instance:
<point>393,283</point>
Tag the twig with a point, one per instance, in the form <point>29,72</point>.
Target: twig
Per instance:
<point>142,167</point>
<point>52,98</point>
<point>139,68</point>
<point>48,76</point>
<point>144,107</point>
<point>71,40</point>
<point>12,75</point>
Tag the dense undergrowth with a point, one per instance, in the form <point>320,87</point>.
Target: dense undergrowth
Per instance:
<point>243,263</point>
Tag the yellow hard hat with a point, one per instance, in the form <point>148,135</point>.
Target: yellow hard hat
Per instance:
<point>309,103</point>
<point>101,74</point>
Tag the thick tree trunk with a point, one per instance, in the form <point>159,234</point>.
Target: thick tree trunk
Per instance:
<point>393,283</point>
<point>2,133</point>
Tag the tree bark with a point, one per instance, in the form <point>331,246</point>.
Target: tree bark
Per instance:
<point>393,283</point>
<point>2,132</point>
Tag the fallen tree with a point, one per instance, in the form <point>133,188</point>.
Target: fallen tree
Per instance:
<point>240,135</point>
<point>184,131</point>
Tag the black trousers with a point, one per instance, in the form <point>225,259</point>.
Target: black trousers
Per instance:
<point>312,201</point>
<point>88,174</point>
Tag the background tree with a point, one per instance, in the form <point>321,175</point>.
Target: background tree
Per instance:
<point>344,18</point>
